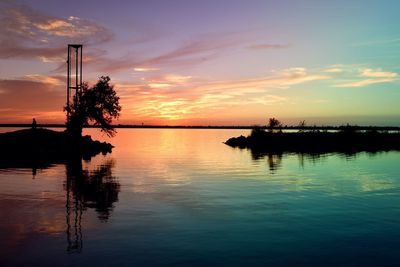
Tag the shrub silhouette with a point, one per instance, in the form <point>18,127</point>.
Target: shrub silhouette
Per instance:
<point>273,124</point>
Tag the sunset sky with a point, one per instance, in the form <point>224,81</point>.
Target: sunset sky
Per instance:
<point>209,62</point>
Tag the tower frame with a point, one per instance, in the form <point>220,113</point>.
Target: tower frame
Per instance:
<point>75,59</point>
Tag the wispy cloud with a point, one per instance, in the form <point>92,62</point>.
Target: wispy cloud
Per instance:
<point>26,33</point>
<point>177,79</point>
<point>142,69</point>
<point>158,85</point>
<point>363,83</point>
<point>167,81</point>
<point>191,53</point>
<point>370,73</point>
<point>47,80</point>
<point>333,70</point>
<point>371,77</point>
<point>181,97</point>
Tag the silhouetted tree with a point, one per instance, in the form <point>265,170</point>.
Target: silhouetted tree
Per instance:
<point>273,123</point>
<point>98,104</point>
<point>302,125</point>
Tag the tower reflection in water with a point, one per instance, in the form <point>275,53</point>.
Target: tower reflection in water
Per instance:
<point>96,188</point>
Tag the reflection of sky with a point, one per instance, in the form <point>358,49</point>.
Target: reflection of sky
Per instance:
<point>34,212</point>
<point>187,197</point>
<point>207,62</point>
<point>150,160</point>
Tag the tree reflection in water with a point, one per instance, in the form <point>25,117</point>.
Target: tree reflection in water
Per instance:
<point>97,189</point>
<point>274,159</point>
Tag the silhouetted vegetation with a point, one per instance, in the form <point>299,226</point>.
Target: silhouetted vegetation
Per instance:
<point>273,124</point>
<point>302,125</point>
<point>347,139</point>
<point>98,104</point>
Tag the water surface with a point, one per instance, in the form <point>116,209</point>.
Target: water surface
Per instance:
<point>180,197</point>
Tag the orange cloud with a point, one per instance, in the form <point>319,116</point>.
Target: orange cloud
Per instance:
<point>177,79</point>
<point>159,85</point>
<point>169,97</point>
<point>48,80</point>
<point>23,99</point>
<point>193,98</point>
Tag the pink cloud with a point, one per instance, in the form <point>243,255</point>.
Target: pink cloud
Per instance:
<point>27,33</point>
<point>204,48</point>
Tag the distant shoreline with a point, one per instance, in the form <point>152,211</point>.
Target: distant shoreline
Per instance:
<point>128,126</point>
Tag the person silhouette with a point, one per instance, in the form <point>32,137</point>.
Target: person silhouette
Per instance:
<point>33,124</point>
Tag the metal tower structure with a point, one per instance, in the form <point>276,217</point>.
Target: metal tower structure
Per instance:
<point>74,75</point>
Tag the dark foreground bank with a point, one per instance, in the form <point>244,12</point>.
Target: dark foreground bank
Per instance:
<point>43,146</point>
<point>317,142</point>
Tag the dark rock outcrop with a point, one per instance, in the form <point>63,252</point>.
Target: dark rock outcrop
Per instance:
<point>317,142</point>
<point>43,147</point>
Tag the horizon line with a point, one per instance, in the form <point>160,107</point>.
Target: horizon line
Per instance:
<point>121,126</point>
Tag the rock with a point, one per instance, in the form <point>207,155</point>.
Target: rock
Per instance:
<point>43,146</point>
<point>317,142</point>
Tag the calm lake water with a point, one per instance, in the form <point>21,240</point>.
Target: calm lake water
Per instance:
<point>180,197</point>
